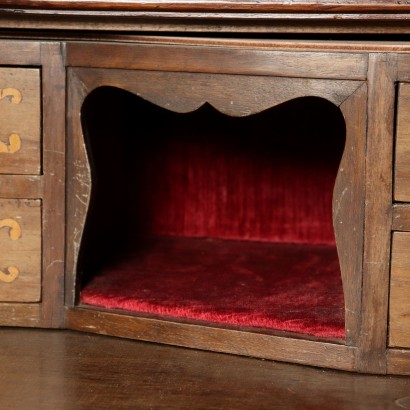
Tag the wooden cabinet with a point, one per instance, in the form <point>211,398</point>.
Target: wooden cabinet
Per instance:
<point>166,188</point>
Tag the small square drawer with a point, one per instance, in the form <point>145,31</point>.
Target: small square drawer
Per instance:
<point>399,321</point>
<point>20,121</point>
<point>20,256</point>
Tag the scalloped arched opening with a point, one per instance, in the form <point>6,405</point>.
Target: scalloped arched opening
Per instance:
<point>213,218</point>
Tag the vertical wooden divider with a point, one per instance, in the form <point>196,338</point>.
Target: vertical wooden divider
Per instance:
<point>371,356</point>
<point>348,209</point>
<point>53,80</point>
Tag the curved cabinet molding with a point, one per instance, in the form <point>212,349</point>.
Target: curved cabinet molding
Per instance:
<point>238,95</point>
<point>186,92</point>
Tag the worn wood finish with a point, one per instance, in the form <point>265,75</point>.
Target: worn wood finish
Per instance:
<point>19,52</point>
<point>351,66</point>
<point>19,121</point>
<point>210,338</point>
<point>21,186</point>
<point>185,92</point>
<point>399,323</point>
<point>53,183</point>
<point>401,217</point>
<point>348,209</point>
<point>398,361</point>
<point>72,370</point>
<point>20,314</point>
<point>205,22</point>
<point>402,157</point>
<point>174,91</point>
<point>206,5</point>
<point>373,336</point>
<point>20,242</point>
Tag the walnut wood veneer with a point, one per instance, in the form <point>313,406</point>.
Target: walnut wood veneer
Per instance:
<point>46,177</point>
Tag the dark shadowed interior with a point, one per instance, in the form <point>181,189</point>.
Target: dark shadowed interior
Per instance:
<point>207,217</point>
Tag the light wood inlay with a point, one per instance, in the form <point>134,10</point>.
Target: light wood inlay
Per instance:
<point>13,146</point>
<point>20,121</point>
<point>20,244</point>
<point>12,94</point>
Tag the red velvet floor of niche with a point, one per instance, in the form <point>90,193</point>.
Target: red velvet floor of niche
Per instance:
<point>290,287</point>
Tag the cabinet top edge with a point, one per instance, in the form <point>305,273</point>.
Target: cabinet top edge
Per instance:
<point>290,6</point>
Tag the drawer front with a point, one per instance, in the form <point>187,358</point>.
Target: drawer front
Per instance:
<point>399,326</point>
<point>20,256</point>
<point>19,121</point>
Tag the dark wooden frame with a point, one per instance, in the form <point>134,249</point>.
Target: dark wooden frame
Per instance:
<point>376,68</point>
<point>48,57</point>
<point>257,66</point>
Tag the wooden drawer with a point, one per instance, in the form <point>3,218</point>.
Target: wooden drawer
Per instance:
<point>399,326</point>
<point>20,244</point>
<point>19,121</point>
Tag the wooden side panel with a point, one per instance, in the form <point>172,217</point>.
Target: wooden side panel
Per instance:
<point>19,121</point>
<point>371,356</point>
<point>402,164</point>
<point>399,334</point>
<point>53,183</point>
<point>20,244</point>
<point>348,209</point>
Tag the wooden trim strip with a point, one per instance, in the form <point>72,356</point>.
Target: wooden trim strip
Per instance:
<point>216,5</point>
<point>21,186</point>
<point>376,269</point>
<point>223,61</point>
<point>54,184</point>
<point>19,53</point>
<point>401,217</point>
<point>20,314</point>
<point>398,361</point>
<point>215,339</point>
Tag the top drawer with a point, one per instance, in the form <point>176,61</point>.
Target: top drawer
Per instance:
<point>19,121</point>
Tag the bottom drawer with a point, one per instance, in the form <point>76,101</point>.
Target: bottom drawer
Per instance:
<point>20,256</point>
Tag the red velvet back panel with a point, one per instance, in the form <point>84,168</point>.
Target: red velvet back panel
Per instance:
<point>266,177</point>
<point>269,177</point>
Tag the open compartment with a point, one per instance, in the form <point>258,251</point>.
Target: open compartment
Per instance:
<point>201,216</point>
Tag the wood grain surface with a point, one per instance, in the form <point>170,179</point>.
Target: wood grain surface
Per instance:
<point>402,157</point>
<point>207,5</point>
<point>69,370</point>
<point>221,60</point>
<point>20,121</point>
<point>399,323</point>
<point>348,209</point>
<point>20,243</point>
<point>378,210</point>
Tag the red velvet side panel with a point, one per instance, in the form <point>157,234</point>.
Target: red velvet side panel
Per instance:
<point>295,288</point>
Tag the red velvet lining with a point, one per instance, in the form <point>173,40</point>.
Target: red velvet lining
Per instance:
<point>278,286</point>
<point>261,184</point>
